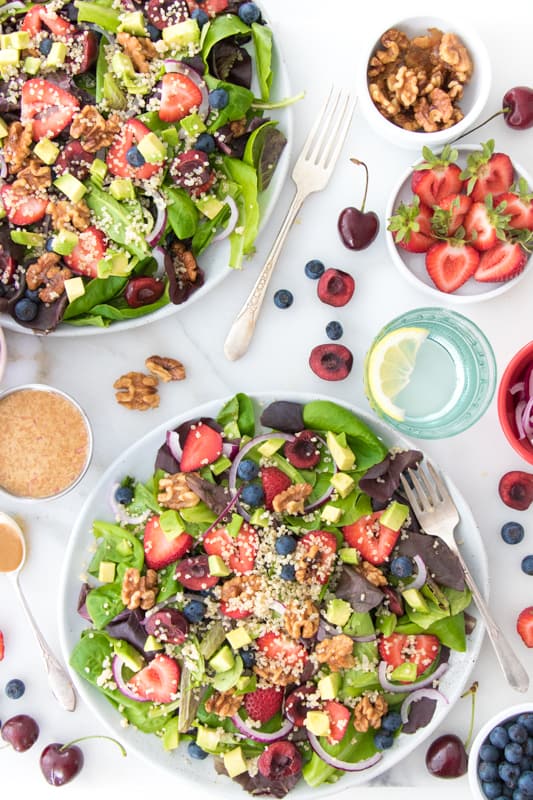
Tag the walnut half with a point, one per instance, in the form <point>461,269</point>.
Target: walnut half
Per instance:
<point>137,391</point>
<point>165,368</point>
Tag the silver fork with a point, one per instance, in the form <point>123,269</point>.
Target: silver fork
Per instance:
<point>438,515</point>
<point>311,173</point>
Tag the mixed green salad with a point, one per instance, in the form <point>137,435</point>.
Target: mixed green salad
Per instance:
<point>133,137</point>
<point>267,598</point>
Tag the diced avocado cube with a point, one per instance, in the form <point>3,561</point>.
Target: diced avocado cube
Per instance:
<point>4,130</point>
<point>171,734</point>
<point>64,242</point>
<point>415,599</point>
<point>220,465</point>
<point>107,571</point>
<point>342,455</point>
<point>342,483</point>
<point>70,186</point>
<point>329,686</point>
<point>235,762</point>
<point>223,660</point>
<point>209,205</point>
<point>246,684</point>
<point>122,189</point>
<point>217,567</point>
<point>182,34</point>
<point>318,723</point>
<point>270,447</point>
<point>260,518</point>
<point>239,637</point>
<point>27,238</point>
<point>338,611</point>
<point>207,738</point>
<point>404,672</point>
<point>331,514</point>
<point>19,40</point>
<point>394,515</point>
<point>74,287</point>
<point>122,65</point>
<point>386,623</point>
<point>47,151</point>
<point>129,654</point>
<point>234,526</point>
<point>9,57</point>
<point>124,547</point>
<point>133,22</point>
<point>224,681</point>
<point>171,136</point>
<point>152,644</point>
<point>349,555</point>
<point>171,524</point>
<point>152,148</point>
<point>360,624</point>
<point>57,55</point>
<point>114,264</point>
<point>31,65</point>
<point>98,170</point>
<point>193,125</point>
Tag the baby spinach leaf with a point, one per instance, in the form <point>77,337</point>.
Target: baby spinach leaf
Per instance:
<point>97,291</point>
<point>206,231</point>
<point>117,545</point>
<point>240,101</point>
<point>221,28</point>
<point>104,602</point>
<point>120,310</point>
<point>263,149</point>
<point>117,220</point>
<point>182,213</point>
<point>248,225</point>
<point>262,38</point>
<point>87,319</point>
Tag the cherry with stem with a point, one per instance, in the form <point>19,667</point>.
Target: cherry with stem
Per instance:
<point>447,756</point>
<point>60,763</point>
<point>358,228</point>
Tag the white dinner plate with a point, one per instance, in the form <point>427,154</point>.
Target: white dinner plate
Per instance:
<point>138,461</point>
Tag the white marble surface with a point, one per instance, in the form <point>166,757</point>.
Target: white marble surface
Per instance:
<point>321,47</point>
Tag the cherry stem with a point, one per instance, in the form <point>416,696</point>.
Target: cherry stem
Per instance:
<point>481,124</point>
<point>362,164</point>
<point>94,736</point>
<point>472,692</point>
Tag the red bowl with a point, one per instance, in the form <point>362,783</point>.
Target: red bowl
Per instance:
<point>506,405</point>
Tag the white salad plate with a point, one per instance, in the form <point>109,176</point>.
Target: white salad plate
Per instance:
<point>138,461</point>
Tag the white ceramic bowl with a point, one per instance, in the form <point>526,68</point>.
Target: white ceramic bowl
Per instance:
<point>3,353</point>
<point>476,92</point>
<point>412,265</point>
<point>501,717</point>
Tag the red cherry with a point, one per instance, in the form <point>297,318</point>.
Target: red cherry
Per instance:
<point>358,228</point>
<point>446,757</point>
<point>60,764</point>
<point>519,104</point>
<point>143,291</point>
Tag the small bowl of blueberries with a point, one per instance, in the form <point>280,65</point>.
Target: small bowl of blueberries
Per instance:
<point>500,763</point>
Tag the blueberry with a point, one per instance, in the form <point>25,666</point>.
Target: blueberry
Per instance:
<point>314,269</point>
<point>218,98</point>
<point>205,143</point>
<point>527,565</point>
<point>25,309</point>
<point>517,733</point>
<point>401,567</point>
<point>249,13</point>
<point>15,689</point>
<point>288,573</point>
<point>283,298</point>
<point>391,721</point>
<point>285,544</point>
<point>248,658</point>
<point>512,532</point>
<point>134,157</point>
<point>195,751</point>
<point>334,330</point>
<point>153,32</point>
<point>513,752</point>
<point>509,773</point>
<point>71,12</point>
<point>383,740</point>
<point>527,721</point>
<point>492,789</point>
<point>253,495</point>
<point>499,736</point>
<point>528,747</point>
<point>200,16</point>
<point>518,794</point>
<point>247,470</point>
<point>487,752</point>
<point>488,771</point>
<point>525,782</point>
<point>124,495</point>
<point>45,46</point>
<point>50,244</point>
<point>32,294</point>
<point>194,610</point>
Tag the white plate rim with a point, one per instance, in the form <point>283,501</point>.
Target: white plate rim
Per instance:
<point>70,623</point>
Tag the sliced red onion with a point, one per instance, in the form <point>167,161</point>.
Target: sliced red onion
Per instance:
<point>173,443</point>
<point>519,418</point>
<point>223,513</point>
<point>431,694</point>
<point>120,512</point>
<point>232,221</point>
<point>161,219</point>
<point>173,65</point>
<point>518,387</point>
<point>122,685</point>
<point>278,607</point>
<point>421,574</point>
<point>11,6</point>
<point>407,687</point>
<point>259,736</point>
<point>337,763</point>
<point>230,449</point>
<point>159,254</point>
<point>527,421</point>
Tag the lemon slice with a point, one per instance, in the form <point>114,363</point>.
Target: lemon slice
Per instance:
<point>390,364</point>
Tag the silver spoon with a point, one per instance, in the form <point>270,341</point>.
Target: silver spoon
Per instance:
<point>12,559</point>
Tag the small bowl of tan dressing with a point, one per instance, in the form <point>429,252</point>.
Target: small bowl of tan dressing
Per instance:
<point>46,444</point>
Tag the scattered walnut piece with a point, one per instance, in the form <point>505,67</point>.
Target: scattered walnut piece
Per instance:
<point>93,130</point>
<point>301,619</point>
<point>372,573</point>
<point>140,50</point>
<point>46,273</point>
<point>336,652</point>
<point>165,368</point>
<point>369,711</point>
<point>72,216</point>
<point>137,391</point>
<point>184,262</point>
<point>139,591</point>
<point>33,176</point>
<point>242,588</point>
<point>174,492</point>
<point>17,146</point>
<point>225,704</point>
<point>291,501</point>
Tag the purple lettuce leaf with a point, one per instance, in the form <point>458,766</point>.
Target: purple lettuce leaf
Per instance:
<point>165,460</point>
<point>358,591</point>
<point>383,479</point>
<point>214,496</point>
<point>441,562</point>
<point>259,785</point>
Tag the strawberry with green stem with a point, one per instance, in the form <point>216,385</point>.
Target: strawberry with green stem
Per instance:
<point>411,226</point>
<point>451,262</point>
<point>518,204</point>
<point>485,224</point>
<point>437,176</point>
<point>487,172</point>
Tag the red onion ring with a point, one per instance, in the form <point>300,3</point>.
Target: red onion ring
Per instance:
<point>518,387</point>
<point>431,694</point>
<point>159,254</point>
<point>160,222</point>
<point>122,685</point>
<point>421,575</point>
<point>172,440</point>
<point>259,736</point>
<point>120,512</point>
<point>337,763</point>
<point>230,450</point>
<point>232,221</point>
<point>173,65</point>
<point>407,687</point>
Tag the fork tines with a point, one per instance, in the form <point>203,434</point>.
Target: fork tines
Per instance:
<point>327,135</point>
<point>429,493</point>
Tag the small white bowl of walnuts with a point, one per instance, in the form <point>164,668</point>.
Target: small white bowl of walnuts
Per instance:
<point>424,81</point>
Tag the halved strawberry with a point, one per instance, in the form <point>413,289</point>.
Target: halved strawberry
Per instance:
<point>374,541</point>
<point>203,445</point>
<point>2,647</point>
<point>339,717</point>
<point>237,552</point>
<point>159,550</point>
<point>485,224</point>
<point>179,97</point>
<point>159,681</point>
<point>449,214</point>
<point>450,264</point>
<point>274,482</point>
<point>22,209</point>
<point>90,249</point>
<point>319,549</point>
<point>437,176</point>
<point>411,226</point>
<point>487,172</point>
<point>87,43</point>
<point>211,7</point>
<point>262,704</point>
<point>48,107</point>
<point>502,262</point>
<point>524,626</point>
<point>519,205</point>
<point>40,15</point>
<point>281,649</point>
<point>233,613</point>
<point>129,136</point>
<point>421,649</point>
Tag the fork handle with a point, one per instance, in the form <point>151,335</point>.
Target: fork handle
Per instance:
<point>513,670</point>
<point>241,332</point>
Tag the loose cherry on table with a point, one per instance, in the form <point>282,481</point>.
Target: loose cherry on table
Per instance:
<point>358,228</point>
<point>447,756</point>
<point>60,763</point>
<point>516,489</point>
<point>517,110</point>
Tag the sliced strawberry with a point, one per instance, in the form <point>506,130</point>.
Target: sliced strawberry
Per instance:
<point>373,540</point>
<point>211,7</point>
<point>279,648</point>
<point>524,626</point>
<point>411,227</point>
<point>159,550</point>
<point>22,209</point>
<point>437,177</point>
<point>158,682</point>
<point>48,107</point>
<point>318,548</point>
<point>450,265</point>
<point>274,482</point>
<point>233,613</point>
<point>450,213</point>
<point>485,225</point>
<point>519,205</point>
<point>39,15</point>
<point>488,172</point>
<point>203,445</point>
<point>238,552</point>
<point>179,97</point>
<point>87,42</point>
<point>129,136</point>
<point>339,717</point>
<point>2,647</point>
<point>421,649</point>
<point>90,249</point>
<point>502,262</point>
<point>262,704</point>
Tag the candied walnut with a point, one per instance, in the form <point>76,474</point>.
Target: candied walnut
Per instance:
<point>17,145</point>
<point>165,368</point>
<point>238,126</point>
<point>456,91</point>
<point>137,391</point>
<point>336,652</point>
<point>453,52</point>
<point>225,704</point>
<point>428,41</point>
<point>36,272</point>
<point>47,273</point>
<point>184,262</point>
<point>388,106</point>
<point>301,619</point>
<point>93,130</point>
<point>423,116</point>
<point>393,41</point>
<point>138,591</point>
<point>291,501</point>
<point>140,50</point>
<point>73,216</point>
<point>435,81</point>
<point>174,492</point>
<point>369,711</point>
<point>242,588</point>
<point>441,106</point>
<point>372,573</point>
<point>33,177</point>
<point>404,86</point>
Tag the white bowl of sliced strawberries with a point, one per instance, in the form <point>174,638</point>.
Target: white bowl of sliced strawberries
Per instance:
<point>460,223</point>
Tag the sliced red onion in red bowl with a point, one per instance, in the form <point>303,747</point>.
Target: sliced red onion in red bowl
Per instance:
<point>408,687</point>
<point>428,692</point>
<point>122,684</point>
<point>260,736</point>
<point>337,763</point>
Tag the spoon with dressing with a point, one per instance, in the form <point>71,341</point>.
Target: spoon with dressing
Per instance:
<point>12,558</point>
